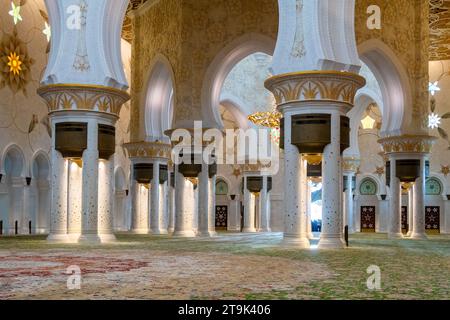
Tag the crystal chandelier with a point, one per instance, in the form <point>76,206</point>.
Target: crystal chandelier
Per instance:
<point>269,119</point>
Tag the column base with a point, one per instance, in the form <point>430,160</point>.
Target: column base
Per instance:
<point>249,230</point>
<point>140,231</point>
<point>184,234</point>
<point>159,232</point>
<point>331,242</point>
<point>298,242</point>
<point>40,231</point>
<point>418,236</point>
<point>395,235</point>
<point>171,230</point>
<point>207,234</point>
<point>265,230</point>
<point>59,238</point>
<point>107,237</point>
<point>89,239</point>
<point>73,237</point>
<point>408,234</point>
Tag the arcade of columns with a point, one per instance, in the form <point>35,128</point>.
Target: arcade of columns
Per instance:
<point>312,92</point>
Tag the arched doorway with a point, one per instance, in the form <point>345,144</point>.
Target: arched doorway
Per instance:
<point>434,205</point>
<point>40,194</point>
<point>222,204</point>
<point>368,205</point>
<point>15,218</point>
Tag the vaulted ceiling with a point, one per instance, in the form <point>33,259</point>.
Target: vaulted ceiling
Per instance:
<point>439,29</point>
<point>127,30</point>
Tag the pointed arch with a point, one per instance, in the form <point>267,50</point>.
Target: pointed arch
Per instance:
<point>40,165</point>
<point>13,161</point>
<point>157,101</point>
<point>221,66</point>
<point>394,84</point>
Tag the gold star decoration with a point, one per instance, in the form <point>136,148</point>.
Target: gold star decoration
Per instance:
<point>445,170</point>
<point>236,172</point>
<point>379,171</point>
<point>14,63</point>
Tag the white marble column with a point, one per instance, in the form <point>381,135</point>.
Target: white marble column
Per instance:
<point>349,214</point>
<point>105,200</point>
<point>308,210</point>
<point>264,208</point>
<point>89,220</point>
<point>235,214</point>
<point>184,193</point>
<point>203,197</point>
<point>395,226</point>
<point>410,210</point>
<point>212,206</point>
<point>295,172</point>
<point>332,216</point>
<point>249,209</point>
<point>43,192</point>
<point>120,209</point>
<point>155,210</point>
<point>418,225</point>
<point>26,214</point>
<point>74,201</point>
<point>171,206</point>
<point>59,182</point>
<point>163,217</point>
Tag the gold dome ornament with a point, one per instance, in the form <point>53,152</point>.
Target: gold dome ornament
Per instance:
<point>15,63</point>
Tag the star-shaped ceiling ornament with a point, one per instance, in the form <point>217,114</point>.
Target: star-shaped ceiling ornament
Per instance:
<point>47,31</point>
<point>434,121</point>
<point>15,12</point>
<point>433,87</point>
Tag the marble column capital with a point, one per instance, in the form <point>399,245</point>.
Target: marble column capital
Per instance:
<point>149,150</point>
<point>81,97</point>
<point>350,165</point>
<point>330,87</point>
<point>407,146</point>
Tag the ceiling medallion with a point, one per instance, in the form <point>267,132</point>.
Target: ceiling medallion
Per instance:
<point>15,63</point>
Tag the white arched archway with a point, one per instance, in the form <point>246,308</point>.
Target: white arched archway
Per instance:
<point>14,168</point>
<point>158,100</point>
<point>221,67</point>
<point>363,99</point>
<point>394,84</point>
<point>13,161</point>
<point>40,193</point>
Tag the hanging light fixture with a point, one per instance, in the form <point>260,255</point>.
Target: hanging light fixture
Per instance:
<point>269,119</point>
<point>368,122</point>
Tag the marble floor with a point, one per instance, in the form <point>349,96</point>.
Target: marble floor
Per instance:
<point>230,266</point>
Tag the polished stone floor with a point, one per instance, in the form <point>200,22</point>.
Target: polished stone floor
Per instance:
<point>230,266</point>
